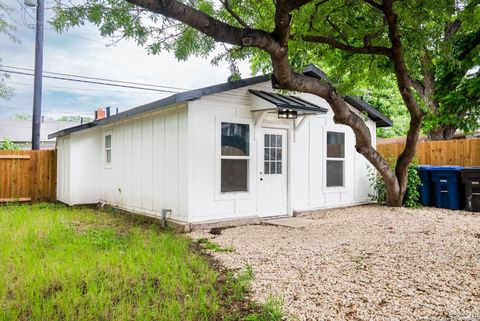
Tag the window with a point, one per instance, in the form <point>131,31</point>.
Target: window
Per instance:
<point>108,149</point>
<point>235,157</point>
<point>272,154</point>
<point>335,159</point>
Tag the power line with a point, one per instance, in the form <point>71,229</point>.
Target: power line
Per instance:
<point>83,89</point>
<point>90,82</point>
<point>97,78</point>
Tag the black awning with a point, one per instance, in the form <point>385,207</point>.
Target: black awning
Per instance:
<point>290,102</point>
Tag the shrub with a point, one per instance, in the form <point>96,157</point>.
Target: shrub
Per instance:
<point>7,144</point>
<point>379,195</point>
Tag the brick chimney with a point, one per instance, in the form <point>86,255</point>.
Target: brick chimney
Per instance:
<point>99,113</point>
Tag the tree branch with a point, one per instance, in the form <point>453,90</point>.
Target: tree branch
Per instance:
<point>226,4</point>
<point>374,4</point>
<point>370,50</point>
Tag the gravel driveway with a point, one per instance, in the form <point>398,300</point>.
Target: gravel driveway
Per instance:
<point>364,263</point>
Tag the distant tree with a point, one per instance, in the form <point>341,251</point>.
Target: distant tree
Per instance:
<point>7,30</point>
<point>22,117</point>
<point>7,144</point>
<point>76,118</point>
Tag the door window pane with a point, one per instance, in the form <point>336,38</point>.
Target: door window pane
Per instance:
<point>235,139</point>
<point>273,154</point>
<point>335,145</point>
<point>234,175</point>
<point>334,173</point>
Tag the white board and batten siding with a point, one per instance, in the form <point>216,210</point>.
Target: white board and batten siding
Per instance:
<point>306,158</point>
<point>148,171</point>
<point>170,159</point>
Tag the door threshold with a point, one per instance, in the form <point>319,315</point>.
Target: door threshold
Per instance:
<point>276,217</point>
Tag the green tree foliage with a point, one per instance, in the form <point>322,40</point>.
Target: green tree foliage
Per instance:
<point>6,30</point>
<point>440,39</point>
<point>76,118</point>
<point>7,144</point>
<point>22,117</point>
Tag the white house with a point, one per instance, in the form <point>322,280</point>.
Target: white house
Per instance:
<point>221,153</point>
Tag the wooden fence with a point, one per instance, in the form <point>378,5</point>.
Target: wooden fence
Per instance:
<point>27,175</point>
<point>464,152</point>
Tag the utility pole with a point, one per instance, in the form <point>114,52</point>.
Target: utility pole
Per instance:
<point>37,85</point>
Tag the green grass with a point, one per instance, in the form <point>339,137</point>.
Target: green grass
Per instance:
<point>61,263</point>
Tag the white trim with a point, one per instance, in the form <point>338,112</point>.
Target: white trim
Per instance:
<point>251,188</point>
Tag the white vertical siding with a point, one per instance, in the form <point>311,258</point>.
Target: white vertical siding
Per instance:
<point>148,170</point>
<point>63,169</point>
<point>307,159</point>
<point>84,170</point>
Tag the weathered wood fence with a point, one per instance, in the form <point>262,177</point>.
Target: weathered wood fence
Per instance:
<point>27,175</point>
<point>464,152</point>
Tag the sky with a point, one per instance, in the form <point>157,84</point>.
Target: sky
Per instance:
<point>82,51</point>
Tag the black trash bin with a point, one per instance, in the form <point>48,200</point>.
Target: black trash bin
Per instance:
<point>471,179</point>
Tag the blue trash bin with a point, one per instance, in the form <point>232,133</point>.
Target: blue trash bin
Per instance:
<point>426,189</point>
<point>448,187</point>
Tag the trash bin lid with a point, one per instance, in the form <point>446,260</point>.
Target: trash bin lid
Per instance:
<point>424,167</point>
<point>446,168</point>
<point>471,169</point>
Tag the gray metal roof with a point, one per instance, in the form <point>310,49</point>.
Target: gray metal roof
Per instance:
<point>311,70</point>
<point>290,102</point>
<point>174,99</point>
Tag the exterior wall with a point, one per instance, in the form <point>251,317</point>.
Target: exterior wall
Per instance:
<point>148,171</point>
<point>307,163</point>
<point>63,169</point>
<point>78,155</point>
<point>170,159</point>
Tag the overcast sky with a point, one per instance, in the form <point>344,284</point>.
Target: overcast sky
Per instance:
<point>82,51</point>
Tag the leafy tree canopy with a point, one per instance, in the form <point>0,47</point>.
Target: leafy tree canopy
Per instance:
<point>440,40</point>
<point>76,118</point>
<point>6,29</point>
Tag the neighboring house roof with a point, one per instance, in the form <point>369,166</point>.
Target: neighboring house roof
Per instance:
<point>19,130</point>
<point>210,90</point>
<point>290,102</point>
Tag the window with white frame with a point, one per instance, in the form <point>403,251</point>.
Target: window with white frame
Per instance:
<point>108,149</point>
<point>234,157</point>
<point>335,166</point>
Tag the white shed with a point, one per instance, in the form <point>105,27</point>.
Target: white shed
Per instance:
<point>234,151</point>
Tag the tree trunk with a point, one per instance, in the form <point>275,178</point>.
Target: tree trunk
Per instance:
<point>444,132</point>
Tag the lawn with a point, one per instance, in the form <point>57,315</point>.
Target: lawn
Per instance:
<point>62,263</point>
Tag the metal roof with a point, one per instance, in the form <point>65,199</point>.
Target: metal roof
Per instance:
<point>380,119</point>
<point>311,70</point>
<point>290,102</point>
<point>170,100</point>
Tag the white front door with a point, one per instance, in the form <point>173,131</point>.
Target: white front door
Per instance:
<point>272,173</point>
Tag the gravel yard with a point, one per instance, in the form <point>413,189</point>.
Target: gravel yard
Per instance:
<point>364,263</point>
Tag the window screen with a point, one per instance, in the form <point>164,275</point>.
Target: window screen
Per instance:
<point>335,145</point>
<point>235,157</point>
<point>108,149</point>
<point>335,159</point>
<point>334,173</point>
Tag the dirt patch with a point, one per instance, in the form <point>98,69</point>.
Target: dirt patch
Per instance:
<point>364,263</point>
